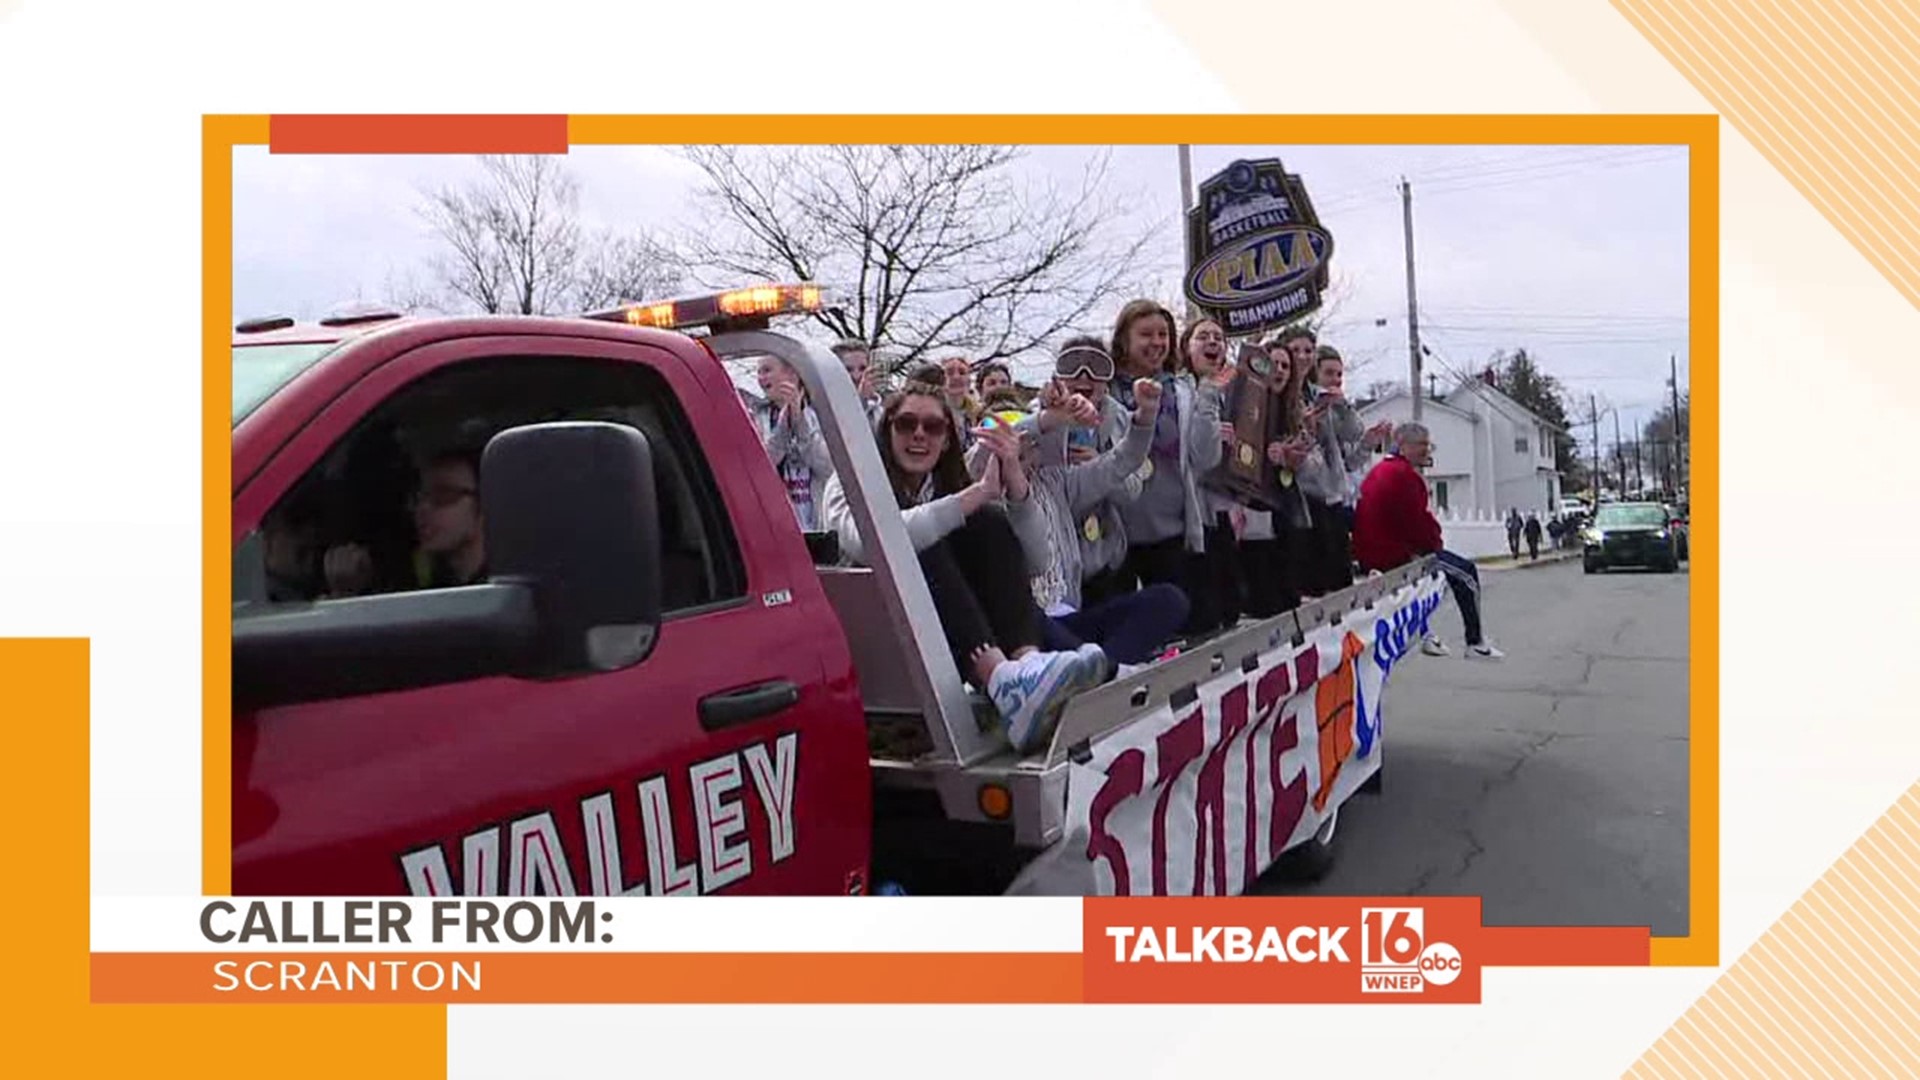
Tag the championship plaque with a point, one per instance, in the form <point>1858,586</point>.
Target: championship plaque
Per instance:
<point>1244,474</point>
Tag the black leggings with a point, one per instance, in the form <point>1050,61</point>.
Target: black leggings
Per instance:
<point>978,577</point>
<point>1224,574</point>
<point>1331,551</point>
<point>1168,562</point>
<point>1271,583</point>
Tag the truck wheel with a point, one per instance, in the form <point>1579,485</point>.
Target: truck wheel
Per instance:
<point>915,846</point>
<point>1590,567</point>
<point>1312,860</point>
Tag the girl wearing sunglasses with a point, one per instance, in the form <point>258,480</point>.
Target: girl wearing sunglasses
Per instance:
<point>976,538</point>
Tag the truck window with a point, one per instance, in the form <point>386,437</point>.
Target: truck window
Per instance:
<point>361,497</point>
<point>259,371</point>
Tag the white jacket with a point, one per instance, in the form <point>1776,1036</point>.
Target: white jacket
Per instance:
<point>930,519</point>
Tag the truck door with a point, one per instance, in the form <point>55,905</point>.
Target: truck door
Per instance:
<point>732,759</point>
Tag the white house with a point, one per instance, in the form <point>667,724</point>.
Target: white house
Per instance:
<point>1490,454</point>
<point>1450,480</point>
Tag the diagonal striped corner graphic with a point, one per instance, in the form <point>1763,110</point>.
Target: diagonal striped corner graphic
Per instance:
<point>1833,989</point>
<point>1827,91</point>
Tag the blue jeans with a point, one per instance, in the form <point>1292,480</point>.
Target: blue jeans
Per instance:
<point>1129,628</point>
<point>1463,577</point>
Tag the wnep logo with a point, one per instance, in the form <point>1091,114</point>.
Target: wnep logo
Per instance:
<point>1395,956</point>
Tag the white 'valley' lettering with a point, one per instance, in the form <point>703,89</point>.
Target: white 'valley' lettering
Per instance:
<point>537,860</point>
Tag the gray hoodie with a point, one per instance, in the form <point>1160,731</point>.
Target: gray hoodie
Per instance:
<point>1080,509</point>
<point>1200,450</point>
<point>1326,475</point>
<point>795,454</point>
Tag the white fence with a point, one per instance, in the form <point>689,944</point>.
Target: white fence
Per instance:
<point>1478,535</point>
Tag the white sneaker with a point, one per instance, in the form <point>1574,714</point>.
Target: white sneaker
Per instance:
<point>1096,667</point>
<point>1030,691</point>
<point>1128,671</point>
<point>1484,651</point>
<point>1433,646</point>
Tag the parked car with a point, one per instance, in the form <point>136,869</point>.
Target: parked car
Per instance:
<point>1633,534</point>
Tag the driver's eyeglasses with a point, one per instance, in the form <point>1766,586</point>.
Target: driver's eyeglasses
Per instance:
<point>442,497</point>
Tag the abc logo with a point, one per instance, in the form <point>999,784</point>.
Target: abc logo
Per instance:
<point>1440,963</point>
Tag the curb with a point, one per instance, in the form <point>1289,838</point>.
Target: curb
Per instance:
<point>1504,562</point>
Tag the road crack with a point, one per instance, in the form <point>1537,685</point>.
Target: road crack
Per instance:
<point>1473,853</point>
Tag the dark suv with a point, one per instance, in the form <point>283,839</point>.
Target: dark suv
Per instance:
<point>1632,534</point>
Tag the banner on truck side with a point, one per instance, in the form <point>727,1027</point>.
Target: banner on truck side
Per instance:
<point>1199,800</point>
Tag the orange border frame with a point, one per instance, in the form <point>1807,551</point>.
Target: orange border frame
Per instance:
<point>468,134</point>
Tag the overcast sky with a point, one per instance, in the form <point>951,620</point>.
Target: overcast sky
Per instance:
<point>1577,253</point>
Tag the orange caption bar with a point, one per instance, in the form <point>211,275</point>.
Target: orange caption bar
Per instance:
<point>417,134</point>
<point>583,978</point>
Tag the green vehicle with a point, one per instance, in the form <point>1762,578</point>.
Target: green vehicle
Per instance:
<point>1633,534</point>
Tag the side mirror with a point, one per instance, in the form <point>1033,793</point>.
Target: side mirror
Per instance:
<point>574,548</point>
<point>572,512</point>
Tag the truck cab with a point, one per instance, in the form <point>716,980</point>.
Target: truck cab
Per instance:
<point>423,740</point>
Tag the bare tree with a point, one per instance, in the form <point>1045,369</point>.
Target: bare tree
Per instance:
<point>613,269</point>
<point>1383,388</point>
<point>925,248</point>
<point>406,292</point>
<point>512,237</point>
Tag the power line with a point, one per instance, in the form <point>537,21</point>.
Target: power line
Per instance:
<point>1497,178</point>
<point>1535,313</point>
<point>1485,168</point>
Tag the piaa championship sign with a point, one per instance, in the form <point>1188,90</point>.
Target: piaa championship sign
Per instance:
<point>1258,258</point>
<point>1198,800</point>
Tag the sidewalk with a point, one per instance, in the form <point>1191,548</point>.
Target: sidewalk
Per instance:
<point>1506,562</point>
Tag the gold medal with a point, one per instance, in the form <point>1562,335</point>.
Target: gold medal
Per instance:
<point>1092,529</point>
<point>1246,453</point>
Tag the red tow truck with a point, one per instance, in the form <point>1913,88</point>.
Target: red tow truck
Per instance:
<point>662,687</point>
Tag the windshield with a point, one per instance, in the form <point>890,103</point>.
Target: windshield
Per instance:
<point>261,370</point>
<point>1617,516</point>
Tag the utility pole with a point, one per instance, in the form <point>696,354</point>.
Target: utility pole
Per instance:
<point>1186,207</point>
<point>1619,457</point>
<point>1433,390</point>
<point>1639,478</point>
<point>1673,383</point>
<point>1413,310</point>
<point>1593,478</point>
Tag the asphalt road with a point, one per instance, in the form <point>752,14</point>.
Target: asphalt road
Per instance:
<point>1553,783</point>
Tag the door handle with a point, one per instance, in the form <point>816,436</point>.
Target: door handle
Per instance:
<point>740,706</point>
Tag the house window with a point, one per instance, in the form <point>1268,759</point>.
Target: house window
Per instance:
<point>1520,445</point>
<point>1440,493</point>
